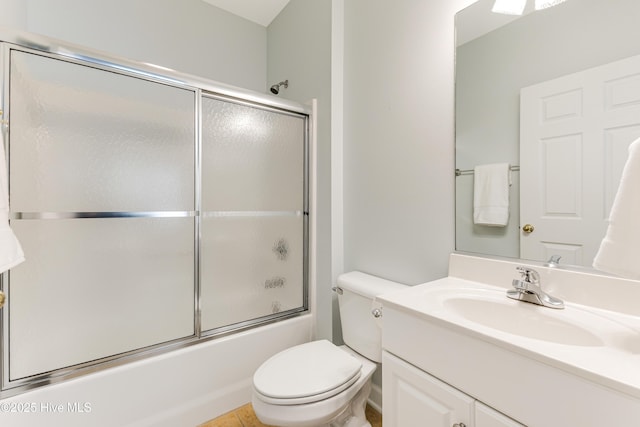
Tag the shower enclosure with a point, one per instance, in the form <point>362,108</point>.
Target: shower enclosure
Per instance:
<point>155,211</point>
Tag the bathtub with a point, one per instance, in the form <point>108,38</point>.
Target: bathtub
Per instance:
<point>185,387</point>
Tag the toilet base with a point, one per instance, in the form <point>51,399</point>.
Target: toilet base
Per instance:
<point>346,409</point>
<point>354,414</point>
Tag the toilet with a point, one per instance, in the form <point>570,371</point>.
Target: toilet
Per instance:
<point>320,384</point>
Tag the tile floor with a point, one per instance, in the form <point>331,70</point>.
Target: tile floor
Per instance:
<point>245,417</point>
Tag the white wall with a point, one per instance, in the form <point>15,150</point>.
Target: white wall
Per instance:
<point>190,36</point>
<point>399,137</point>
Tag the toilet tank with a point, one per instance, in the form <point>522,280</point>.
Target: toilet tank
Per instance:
<point>361,331</point>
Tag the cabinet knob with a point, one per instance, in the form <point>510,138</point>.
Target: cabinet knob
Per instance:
<point>459,425</point>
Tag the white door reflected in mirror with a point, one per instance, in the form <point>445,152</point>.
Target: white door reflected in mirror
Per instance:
<point>499,55</point>
<point>574,131</point>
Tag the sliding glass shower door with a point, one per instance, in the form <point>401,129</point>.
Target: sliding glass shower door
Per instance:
<point>253,212</point>
<point>153,214</point>
<point>102,194</point>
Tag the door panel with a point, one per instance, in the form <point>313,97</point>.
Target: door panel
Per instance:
<point>574,136</point>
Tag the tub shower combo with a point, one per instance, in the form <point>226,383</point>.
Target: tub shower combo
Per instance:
<point>156,211</point>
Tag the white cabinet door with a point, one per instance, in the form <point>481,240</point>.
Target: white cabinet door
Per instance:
<point>488,417</point>
<point>413,398</point>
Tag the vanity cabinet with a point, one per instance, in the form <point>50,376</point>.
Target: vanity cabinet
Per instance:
<point>489,417</point>
<point>412,397</point>
<point>443,369</point>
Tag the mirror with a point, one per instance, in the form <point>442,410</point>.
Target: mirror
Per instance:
<point>498,55</point>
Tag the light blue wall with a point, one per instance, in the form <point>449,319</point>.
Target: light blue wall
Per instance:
<point>398,205</point>
<point>190,36</point>
<point>14,13</point>
<point>299,49</point>
<point>396,136</point>
<point>399,137</point>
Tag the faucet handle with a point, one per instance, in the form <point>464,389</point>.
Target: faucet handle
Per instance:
<point>528,274</point>
<point>553,261</point>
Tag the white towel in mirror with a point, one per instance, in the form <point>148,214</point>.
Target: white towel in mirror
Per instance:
<point>619,251</point>
<point>491,194</point>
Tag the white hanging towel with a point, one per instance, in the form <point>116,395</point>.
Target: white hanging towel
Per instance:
<point>619,251</point>
<point>491,194</point>
<point>11,253</point>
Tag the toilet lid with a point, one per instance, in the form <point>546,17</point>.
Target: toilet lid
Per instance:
<point>306,370</point>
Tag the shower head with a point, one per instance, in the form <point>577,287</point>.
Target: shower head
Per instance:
<point>275,89</point>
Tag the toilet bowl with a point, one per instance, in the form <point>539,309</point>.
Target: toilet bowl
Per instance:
<point>319,384</point>
<point>333,384</point>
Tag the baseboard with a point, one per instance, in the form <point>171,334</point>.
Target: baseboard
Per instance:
<point>375,398</point>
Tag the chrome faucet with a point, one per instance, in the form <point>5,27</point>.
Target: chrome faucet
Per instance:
<point>528,289</point>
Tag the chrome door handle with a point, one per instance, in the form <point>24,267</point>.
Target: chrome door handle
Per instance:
<point>459,425</point>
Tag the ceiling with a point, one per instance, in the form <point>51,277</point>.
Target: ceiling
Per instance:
<point>476,20</point>
<point>259,11</point>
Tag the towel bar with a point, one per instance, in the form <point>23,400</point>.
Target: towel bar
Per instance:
<point>470,171</point>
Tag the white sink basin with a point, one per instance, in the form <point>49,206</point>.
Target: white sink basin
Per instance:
<point>488,310</point>
<point>581,364</point>
<point>628,343</point>
<point>591,342</point>
<point>523,319</point>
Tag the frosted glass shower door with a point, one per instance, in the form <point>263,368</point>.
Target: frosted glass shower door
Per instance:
<point>252,260</point>
<point>102,169</point>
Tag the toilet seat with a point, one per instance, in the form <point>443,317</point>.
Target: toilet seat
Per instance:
<point>306,373</point>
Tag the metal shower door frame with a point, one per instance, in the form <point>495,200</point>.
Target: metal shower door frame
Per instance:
<point>200,87</point>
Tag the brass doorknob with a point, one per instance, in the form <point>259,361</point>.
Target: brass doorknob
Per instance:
<point>2,298</point>
<point>528,228</point>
